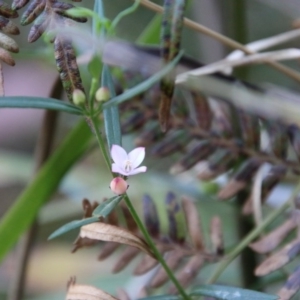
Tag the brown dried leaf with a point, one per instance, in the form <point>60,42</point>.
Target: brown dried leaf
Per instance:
<point>110,233</point>
<point>108,249</point>
<point>240,179</point>
<point>279,259</point>
<point>189,271</point>
<point>86,292</point>
<point>8,43</point>
<point>291,286</point>
<point>274,238</point>
<point>173,259</point>
<point>125,258</point>
<point>147,263</point>
<point>131,225</point>
<point>6,57</point>
<point>196,153</point>
<point>193,223</point>
<point>202,110</point>
<point>8,27</point>
<point>67,66</point>
<point>216,235</point>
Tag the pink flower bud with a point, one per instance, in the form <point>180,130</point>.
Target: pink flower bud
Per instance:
<point>119,186</point>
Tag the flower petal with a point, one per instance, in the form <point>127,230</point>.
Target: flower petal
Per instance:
<point>118,154</point>
<point>117,169</point>
<point>138,170</point>
<point>136,156</point>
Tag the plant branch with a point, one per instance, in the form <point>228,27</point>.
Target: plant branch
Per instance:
<point>225,40</point>
<point>136,217</point>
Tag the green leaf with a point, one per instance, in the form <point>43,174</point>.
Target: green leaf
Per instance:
<point>38,102</point>
<point>162,297</point>
<point>145,85</point>
<point>46,181</point>
<point>111,113</point>
<point>230,293</point>
<point>72,225</point>
<point>105,208</point>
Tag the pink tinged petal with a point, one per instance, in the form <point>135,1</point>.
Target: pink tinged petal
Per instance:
<point>136,156</point>
<point>118,186</point>
<point>117,169</point>
<point>118,154</point>
<point>138,170</point>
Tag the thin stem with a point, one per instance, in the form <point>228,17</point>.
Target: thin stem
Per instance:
<point>124,13</point>
<point>101,143</point>
<point>150,242</point>
<point>136,217</point>
<point>225,40</point>
<point>252,235</point>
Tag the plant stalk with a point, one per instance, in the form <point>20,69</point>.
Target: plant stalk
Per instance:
<point>136,218</point>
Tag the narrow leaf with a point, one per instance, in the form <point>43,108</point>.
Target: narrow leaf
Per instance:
<point>38,102</point>
<point>72,225</point>
<point>230,293</point>
<point>105,208</point>
<point>111,113</point>
<point>109,233</point>
<point>42,186</point>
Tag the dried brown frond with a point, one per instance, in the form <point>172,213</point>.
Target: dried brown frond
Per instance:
<point>291,286</point>
<point>270,241</point>
<point>67,66</point>
<point>279,259</point>
<point>43,14</point>
<point>184,251</point>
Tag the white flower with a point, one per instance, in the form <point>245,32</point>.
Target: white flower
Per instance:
<point>127,164</point>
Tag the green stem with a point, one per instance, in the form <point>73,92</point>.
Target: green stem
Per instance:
<point>152,245</point>
<point>252,235</point>
<point>101,144</point>
<point>136,218</point>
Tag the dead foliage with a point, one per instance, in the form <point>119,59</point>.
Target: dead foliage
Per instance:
<point>183,245</point>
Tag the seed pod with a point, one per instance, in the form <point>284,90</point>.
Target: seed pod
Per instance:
<point>197,152</point>
<point>173,142</point>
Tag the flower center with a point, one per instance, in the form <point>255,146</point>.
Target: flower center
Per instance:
<point>128,166</point>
